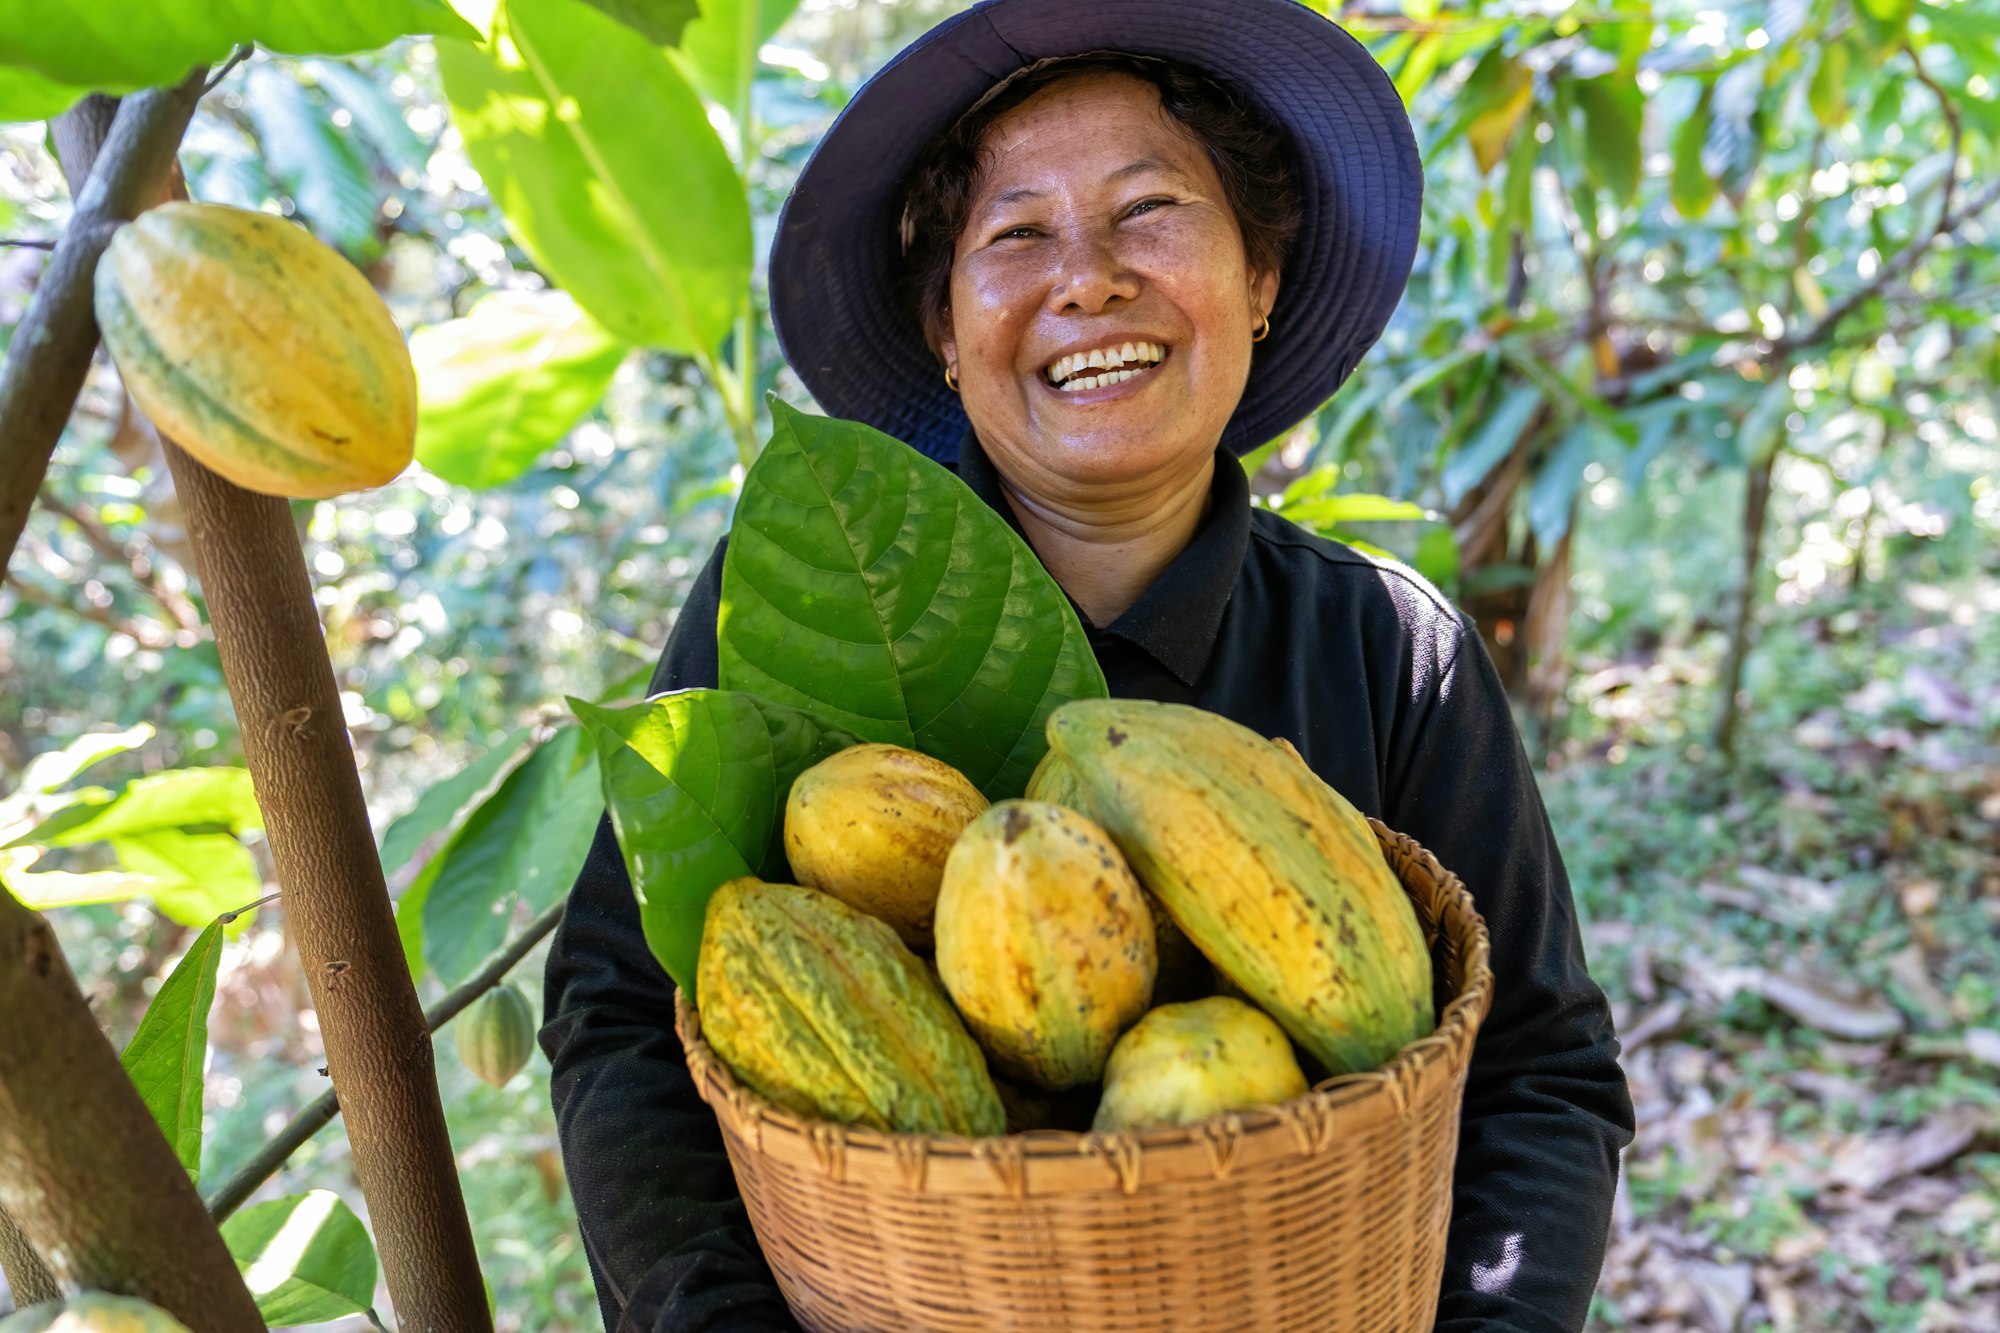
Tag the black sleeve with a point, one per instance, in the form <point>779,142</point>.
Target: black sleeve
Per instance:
<point>1546,1109</point>
<point>669,1243</point>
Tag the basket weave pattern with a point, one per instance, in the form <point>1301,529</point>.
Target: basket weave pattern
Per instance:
<point>1328,1212</point>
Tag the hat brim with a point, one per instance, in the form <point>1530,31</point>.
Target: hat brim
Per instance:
<point>836,262</point>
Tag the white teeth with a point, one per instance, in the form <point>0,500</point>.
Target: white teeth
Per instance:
<point>1108,359</point>
<point>1096,381</point>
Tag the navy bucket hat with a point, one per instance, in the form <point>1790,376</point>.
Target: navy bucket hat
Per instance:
<point>837,263</point>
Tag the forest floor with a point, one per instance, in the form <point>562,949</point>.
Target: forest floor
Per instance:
<point>1803,955</point>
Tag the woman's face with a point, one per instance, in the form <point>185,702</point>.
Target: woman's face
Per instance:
<point>1099,225</point>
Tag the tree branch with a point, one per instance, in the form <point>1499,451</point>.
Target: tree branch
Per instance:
<point>12,243</point>
<point>51,350</point>
<point>84,1170</point>
<point>235,1191</point>
<point>146,633</point>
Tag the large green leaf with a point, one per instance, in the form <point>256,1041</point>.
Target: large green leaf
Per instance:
<point>1827,93</point>
<point>501,386</point>
<point>660,22</point>
<point>525,843</point>
<point>1552,498</point>
<point>1355,507</point>
<point>696,785</point>
<point>318,165</point>
<point>120,48</point>
<point>167,1054</point>
<point>1692,188</point>
<point>711,50</point>
<point>442,801</point>
<point>177,798</point>
<point>196,876</point>
<point>26,95</point>
<point>603,161</point>
<point>867,585</point>
<point>1613,109</point>
<point>306,1259</point>
<point>1489,446</point>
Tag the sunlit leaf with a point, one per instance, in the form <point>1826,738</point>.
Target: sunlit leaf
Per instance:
<point>177,798</point>
<point>123,48</point>
<point>197,876</point>
<point>1355,507</point>
<point>660,22</point>
<point>523,844</point>
<point>378,117</point>
<point>1493,129</point>
<point>166,1056</point>
<point>46,772</point>
<point>1827,93</point>
<point>696,785</point>
<point>1422,63</point>
<point>26,95</point>
<point>868,586</point>
<point>711,51</point>
<point>568,115</point>
<point>502,386</point>
<point>1693,189</point>
<point>306,1259</point>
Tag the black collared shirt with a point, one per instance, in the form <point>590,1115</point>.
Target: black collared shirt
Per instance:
<point>1389,694</point>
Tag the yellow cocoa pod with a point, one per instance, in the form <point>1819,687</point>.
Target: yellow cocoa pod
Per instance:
<point>823,1010</point>
<point>1044,941</point>
<point>93,1312</point>
<point>1182,971</point>
<point>1266,869</point>
<point>873,824</point>
<point>1185,1062</point>
<point>262,352</point>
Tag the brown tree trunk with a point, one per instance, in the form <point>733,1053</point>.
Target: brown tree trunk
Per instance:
<point>29,1281</point>
<point>1546,634</point>
<point>1756,500</point>
<point>378,1047</point>
<point>84,1170</point>
<point>379,1056</point>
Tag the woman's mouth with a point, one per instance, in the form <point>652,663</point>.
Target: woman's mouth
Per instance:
<point>1101,367</point>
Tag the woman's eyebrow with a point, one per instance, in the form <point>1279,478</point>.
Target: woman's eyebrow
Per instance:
<point>1023,194</point>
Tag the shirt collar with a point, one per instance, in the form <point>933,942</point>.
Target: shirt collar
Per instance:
<point>1177,618</point>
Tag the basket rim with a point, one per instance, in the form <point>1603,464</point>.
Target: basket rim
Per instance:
<point>1309,1117</point>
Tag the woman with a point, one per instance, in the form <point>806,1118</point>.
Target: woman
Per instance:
<point>1088,283</point>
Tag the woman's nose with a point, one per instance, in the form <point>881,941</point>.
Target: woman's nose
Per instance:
<point>1090,276</point>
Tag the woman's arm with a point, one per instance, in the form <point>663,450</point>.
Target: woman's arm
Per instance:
<point>669,1243</point>
<point>1546,1106</point>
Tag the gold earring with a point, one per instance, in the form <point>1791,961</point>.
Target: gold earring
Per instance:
<point>1262,333</point>
<point>951,378</point>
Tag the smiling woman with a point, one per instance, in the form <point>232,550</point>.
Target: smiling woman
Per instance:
<point>1087,255</point>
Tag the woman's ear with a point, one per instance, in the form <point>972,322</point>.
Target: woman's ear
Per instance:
<point>947,345</point>
<point>1263,294</point>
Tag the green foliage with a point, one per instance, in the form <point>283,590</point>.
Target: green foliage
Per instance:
<point>712,50</point>
<point>564,112</point>
<point>26,95</point>
<point>443,802</point>
<point>498,387</point>
<point>166,1056</point>
<point>524,844</point>
<point>158,42</point>
<point>306,1259</point>
<point>696,785</point>
<point>867,585</point>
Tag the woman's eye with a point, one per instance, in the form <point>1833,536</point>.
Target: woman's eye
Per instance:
<point>1147,206</point>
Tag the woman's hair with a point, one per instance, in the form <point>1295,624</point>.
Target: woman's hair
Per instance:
<point>1251,156</point>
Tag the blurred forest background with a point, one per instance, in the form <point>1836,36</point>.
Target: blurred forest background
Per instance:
<point>1690,403</point>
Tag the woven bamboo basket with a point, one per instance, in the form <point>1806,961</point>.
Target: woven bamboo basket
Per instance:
<point>1326,1213</point>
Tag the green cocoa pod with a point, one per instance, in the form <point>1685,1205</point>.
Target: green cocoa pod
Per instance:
<point>825,1011</point>
<point>497,1034</point>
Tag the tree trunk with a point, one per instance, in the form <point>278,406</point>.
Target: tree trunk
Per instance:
<point>274,661</point>
<point>84,1170</point>
<point>1756,500</point>
<point>1546,631</point>
<point>378,1047</point>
